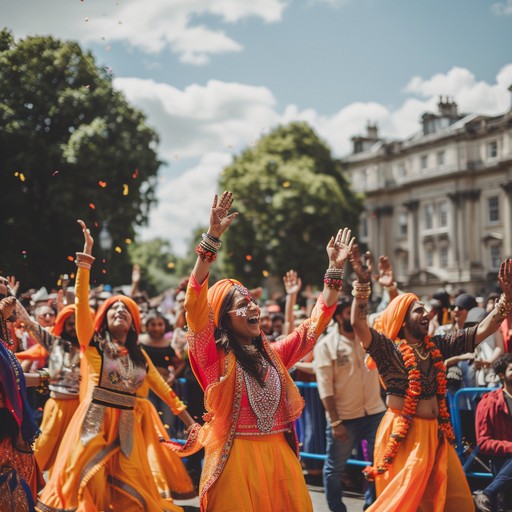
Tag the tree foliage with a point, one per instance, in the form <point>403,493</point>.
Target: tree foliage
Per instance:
<point>70,147</point>
<point>292,197</point>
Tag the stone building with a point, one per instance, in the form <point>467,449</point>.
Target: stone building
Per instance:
<point>439,203</point>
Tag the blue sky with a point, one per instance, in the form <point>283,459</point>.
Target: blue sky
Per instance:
<point>214,75</point>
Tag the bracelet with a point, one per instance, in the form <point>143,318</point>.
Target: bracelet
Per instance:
<point>503,306</point>
<point>206,254</point>
<point>44,381</point>
<point>336,423</point>
<point>334,273</point>
<point>211,241</point>
<point>362,290</point>
<point>84,260</point>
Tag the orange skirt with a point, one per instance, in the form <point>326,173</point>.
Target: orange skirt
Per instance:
<point>261,474</point>
<point>56,417</point>
<point>426,474</point>
<point>97,476</point>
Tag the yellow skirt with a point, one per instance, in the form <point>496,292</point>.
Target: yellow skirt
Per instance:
<point>56,417</point>
<point>261,474</point>
<point>426,474</point>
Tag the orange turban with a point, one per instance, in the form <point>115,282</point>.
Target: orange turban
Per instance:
<point>129,303</point>
<point>63,315</point>
<point>391,321</point>
<point>216,295</point>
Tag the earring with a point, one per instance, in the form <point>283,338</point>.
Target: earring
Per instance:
<point>223,339</point>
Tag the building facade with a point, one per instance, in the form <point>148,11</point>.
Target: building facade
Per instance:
<point>439,204</point>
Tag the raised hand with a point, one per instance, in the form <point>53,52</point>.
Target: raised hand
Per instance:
<point>220,218</point>
<point>13,285</point>
<point>88,240</point>
<point>363,272</point>
<point>505,278</point>
<point>339,248</point>
<point>292,282</point>
<point>385,269</point>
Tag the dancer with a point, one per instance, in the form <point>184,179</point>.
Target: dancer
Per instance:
<point>250,399</point>
<point>415,465</point>
<point>103,463</point>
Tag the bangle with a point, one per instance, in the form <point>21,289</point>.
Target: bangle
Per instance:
<point>211,241</point>
<point>206,254</point>
<point>503,306</point>
<point>336,423</point>
<point>44,381</point>
<point>84,260</point>
<point>333,279</point>
<point>361,290</point>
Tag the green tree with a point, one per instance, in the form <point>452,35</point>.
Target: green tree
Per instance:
<point>70,147</point>
<point>292,196</point>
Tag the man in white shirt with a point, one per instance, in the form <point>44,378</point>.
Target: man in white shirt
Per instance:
<point>351,397</point>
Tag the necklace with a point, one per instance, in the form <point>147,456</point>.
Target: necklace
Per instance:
<point>423,357</point>
<point>250,349</point>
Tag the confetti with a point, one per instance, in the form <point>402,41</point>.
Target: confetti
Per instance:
<point>118,249</point>
<point>125,189</point>
<point>128,241</point>
<point>286,184</point>
<point>102,184</point>
<point>86,20</point>
<point>134,175</point>
<point>170,265</point>
<point>103,271</point>
<point>265,273</point>
<point>92,206</point>
<point>71,258</point>
<point>248,257</point>
<point>55,173</point>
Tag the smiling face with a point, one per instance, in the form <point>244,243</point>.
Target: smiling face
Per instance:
<point>244,316</point>
<point>416,322</point>
<point>119,320</point>
<point>155,327</point>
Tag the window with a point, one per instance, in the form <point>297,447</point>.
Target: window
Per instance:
<point>492,149</point>
<point>440,158</point>
<point>443,214</point>
<point>429,216</point>
<point>401,171</point>
<point>429,257</point>
<point>493,204</point>
<point>363,227</point>
<point>443,256</point>
<point>423,162</point>
<point>495,253</point>
<point>403,223</point>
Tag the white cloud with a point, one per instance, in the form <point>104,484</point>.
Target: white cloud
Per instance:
<point>502,8</point>
<point>151,26</point>
<point>471,96</point>
<point>207,124</point>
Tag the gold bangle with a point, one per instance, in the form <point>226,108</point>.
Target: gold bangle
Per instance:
<point>84,260</point>
<point>503,306</point>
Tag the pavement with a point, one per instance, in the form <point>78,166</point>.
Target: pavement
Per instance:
<point>353,502</point>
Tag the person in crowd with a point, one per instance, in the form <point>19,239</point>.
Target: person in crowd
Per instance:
<point>62,350</point>
<point>415,465</point>
<point>251,401</point>
<point>20,477</point>
<point>266,323</point>
<point>494,436</point>
<point>157,346</point>
<point>104,453</point>
<point>351,398</point>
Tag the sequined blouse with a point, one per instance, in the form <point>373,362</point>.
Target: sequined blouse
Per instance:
<point>261,409</point>
<point>391,366</point>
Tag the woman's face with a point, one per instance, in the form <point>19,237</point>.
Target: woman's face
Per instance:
<point>119,319</point>
<point>244,315</point>
<point>156,327</point>
<point>46,316</point>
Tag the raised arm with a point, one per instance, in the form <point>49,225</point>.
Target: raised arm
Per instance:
<point>386,277</point>
<point>292,284</point>
<point>220,220</point>
<point>491,323</point>
<point>84,261</point>
<point>361,293</point>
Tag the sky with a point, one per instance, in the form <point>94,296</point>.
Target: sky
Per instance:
<point>213,76</point>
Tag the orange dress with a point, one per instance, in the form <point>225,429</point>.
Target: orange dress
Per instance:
<point>249,464</point>
<point>102,463</point>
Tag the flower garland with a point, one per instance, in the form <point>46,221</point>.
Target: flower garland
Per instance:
<point>402,424</point>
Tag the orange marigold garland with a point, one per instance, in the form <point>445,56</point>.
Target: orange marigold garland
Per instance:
<point>402,424</point>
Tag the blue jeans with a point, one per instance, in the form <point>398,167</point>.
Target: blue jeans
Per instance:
<point>339,451</point>
<point>502,471</point>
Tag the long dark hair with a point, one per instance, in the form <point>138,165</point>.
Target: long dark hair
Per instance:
<point>250,362</point>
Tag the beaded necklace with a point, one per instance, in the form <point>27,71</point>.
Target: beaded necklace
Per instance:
<point>401,426</point>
